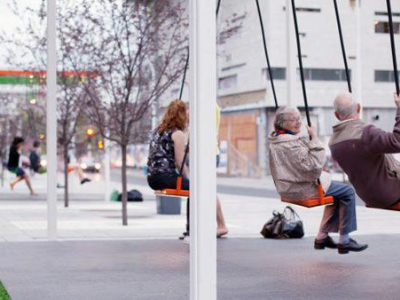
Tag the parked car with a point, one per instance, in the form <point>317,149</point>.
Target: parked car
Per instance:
<point>43,161</point>
<point>90,165</point>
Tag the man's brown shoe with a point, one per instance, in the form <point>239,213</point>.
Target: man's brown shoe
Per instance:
<point>325,243</point>
<point>351,246</point>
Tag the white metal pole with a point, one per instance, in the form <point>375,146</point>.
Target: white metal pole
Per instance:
<point>107,171</point>
<point>290,57</point>
<point>358,56</point>
<point>203,79</point>
<point>51,105</point>
<point>154,116</point>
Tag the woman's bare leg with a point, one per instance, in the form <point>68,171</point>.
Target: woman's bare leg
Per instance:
<point>15,181</point>
<point>79,173</point>
<point>82,178</point>
<point>221,229</point>
<point>28,183</point>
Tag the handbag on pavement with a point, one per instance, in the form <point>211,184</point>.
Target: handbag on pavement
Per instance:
<point>283,225</point>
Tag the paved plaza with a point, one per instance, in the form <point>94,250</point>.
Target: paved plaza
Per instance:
<point>251,268</point>
<point>97,258</point>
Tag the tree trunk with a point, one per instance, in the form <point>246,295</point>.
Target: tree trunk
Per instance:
<point>66,194</point>
<point>2,171</point>
<point>124,187</point>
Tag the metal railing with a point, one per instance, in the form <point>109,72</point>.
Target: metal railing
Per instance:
<point>240,165</point>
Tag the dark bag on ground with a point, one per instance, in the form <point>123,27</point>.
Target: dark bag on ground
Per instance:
<point>133,196</point>
<point>286,225</point>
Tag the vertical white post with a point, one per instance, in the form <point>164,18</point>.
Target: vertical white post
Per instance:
<point>107,171</point>
<point>203,79</point>
<point>228,161</point>
<point>290,57</point>
<point>358,75</point>
<point>51,105</point>
<point>154,115</point>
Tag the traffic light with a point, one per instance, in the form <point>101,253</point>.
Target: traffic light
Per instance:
<point>100,144</point>
<point>90,132</point>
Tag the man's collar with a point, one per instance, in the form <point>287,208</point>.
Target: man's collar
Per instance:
<point>349,120</point>
<point>343,124</point>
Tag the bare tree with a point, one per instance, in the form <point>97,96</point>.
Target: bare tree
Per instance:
<point>137,50</point>
<point>4,143</point>
<point>8,129</point>
<point>29,53</point>
<point>71,90</point>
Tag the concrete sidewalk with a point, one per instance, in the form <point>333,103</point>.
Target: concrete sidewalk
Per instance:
<point>255,269</point>
<point>25,220</point>
<point>136,179</point>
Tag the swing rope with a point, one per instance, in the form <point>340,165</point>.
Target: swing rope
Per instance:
<point>266,54</point>
<point>346,66</point>
<point>393,47</point>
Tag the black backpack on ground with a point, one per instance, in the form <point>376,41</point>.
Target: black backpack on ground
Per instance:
<point>133,196</point>
<point>286,225</point>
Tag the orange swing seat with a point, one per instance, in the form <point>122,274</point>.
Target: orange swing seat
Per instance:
<point>178,192</point>
<point>310,203</point>
<point>395,207</point>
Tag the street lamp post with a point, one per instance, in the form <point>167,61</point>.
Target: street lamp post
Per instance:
<point>107,170</point>
<point>51,121</point>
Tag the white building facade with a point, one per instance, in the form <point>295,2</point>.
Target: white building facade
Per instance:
<point>244,88</point>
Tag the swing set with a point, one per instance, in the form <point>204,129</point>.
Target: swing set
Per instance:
<point>322,200</point>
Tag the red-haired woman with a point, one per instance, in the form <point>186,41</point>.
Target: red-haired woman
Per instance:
<point>167,150</point>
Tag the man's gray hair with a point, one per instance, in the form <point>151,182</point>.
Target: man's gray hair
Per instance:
<point>281,116</point>
<point>345,105</point>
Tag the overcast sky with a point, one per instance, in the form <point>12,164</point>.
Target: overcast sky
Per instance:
<point>8,21</point>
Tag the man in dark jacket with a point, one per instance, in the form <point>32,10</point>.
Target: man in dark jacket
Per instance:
<point>34,157</point>
<point>364,152</point>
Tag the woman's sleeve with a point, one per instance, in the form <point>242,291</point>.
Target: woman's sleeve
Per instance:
<point>311,157</point>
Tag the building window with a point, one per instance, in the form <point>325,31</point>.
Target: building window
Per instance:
<point>383,27</point>
<point>277,73</point>
<point>306,9</point>
<point>237,18</point>
<point>384,76</point>
<point>309,74</point>
<point>233,67</point>
<point>224,35</point>
<point>227,82</point>
<point>382,13</point>
<point>325,74</point>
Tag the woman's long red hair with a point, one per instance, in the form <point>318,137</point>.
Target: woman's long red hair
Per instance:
<point>175,117</point>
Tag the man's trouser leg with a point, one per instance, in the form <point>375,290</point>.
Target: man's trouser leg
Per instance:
<point>340,217</point>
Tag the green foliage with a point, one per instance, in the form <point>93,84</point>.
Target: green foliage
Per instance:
<point>35,80</point>
<point>3,293</point>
